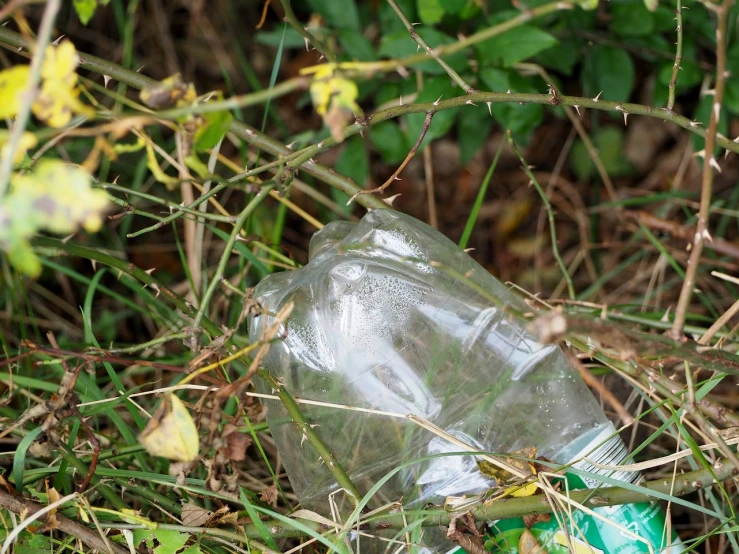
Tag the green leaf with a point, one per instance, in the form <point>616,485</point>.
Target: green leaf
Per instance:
<point>353,163</point>
<point>631,19</point>
<point>430,11</point>
<point>273,38</point>
<point>389,22</point>
<point>562,57</point>
<point>521,120</point>
<point>400,45</point>
<point>169,541</point>
<point>731,95</point>
<point>689,76</point>
<point>473,128</point>
<point>433,88</point>
<point>23,258</point>
<point>340,15</point>
<point>85,9</point>
<point>514,46</point>
<point>389,141</point>
<point>356,46</point>
<point>610,145</point>
<point>34,543</point>
<point>609,70</point>
<point>215,128</point>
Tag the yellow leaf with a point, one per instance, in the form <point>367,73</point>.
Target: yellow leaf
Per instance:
<point>335,100</point>
<point>13,82</point>
<point>171,432</point>
<point>58,98</point>
<point>503,476</point>
<point>61,197</point>
<point>28,140</point>
<point>157,170</point>
<point>172,91</point>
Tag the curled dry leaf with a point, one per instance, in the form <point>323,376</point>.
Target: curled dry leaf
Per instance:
<point>171,432</point>
<point>236,445</point>
<point>269,495</point>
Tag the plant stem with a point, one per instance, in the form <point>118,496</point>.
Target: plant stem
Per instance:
<point>521,506</point>
<point>678,57</point>
<point>709,161</point>
<point>243,131</point>
<point>305,429</point>
<point>29,95</point>
<point>19,505</point>
<point>216,278</point>
<point>297,159</point>
<point>305,33</point>
<point>550,214</point>
<point>430,51</point>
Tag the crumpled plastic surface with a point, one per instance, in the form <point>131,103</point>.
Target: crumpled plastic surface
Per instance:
<point>390,315</point>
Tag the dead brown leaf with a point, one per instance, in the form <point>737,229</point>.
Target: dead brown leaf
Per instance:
<point>194,516</point>
<point>269,495</point>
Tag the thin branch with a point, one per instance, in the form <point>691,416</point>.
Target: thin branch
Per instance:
<point>18,504</point>
<point>29,94</point>
<point>430,51</point>
<point>408,158</point>
<point>709,161</point>
<point>510,508</point>
<point>216,278</point>
<point>678,56</point>
<point>243,131</point>
<point>328,457</point>
<point>550,213</point>
<point>305,33</point>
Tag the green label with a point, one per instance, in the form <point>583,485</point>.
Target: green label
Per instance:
<point>582,533</point>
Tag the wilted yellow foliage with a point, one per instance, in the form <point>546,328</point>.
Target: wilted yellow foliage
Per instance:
<point>58,98</point>
<point>53,197</point>
<point>335,100</point>
<point>171,432</point>
<point>28,140</point>
<point>13,82</point>
<point>61,198</point>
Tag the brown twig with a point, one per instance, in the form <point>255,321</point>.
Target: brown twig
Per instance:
<point>408,158</point>
<point>19,505</point>
<point>717,244</point>
<point>95,448</point>
<point>10,7</point>
<point>709,162</point>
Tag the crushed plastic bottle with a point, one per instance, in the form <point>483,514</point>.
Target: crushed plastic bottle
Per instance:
<point>392,316</point>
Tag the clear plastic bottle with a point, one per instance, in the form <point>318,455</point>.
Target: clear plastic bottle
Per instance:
<point>391,315</point>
